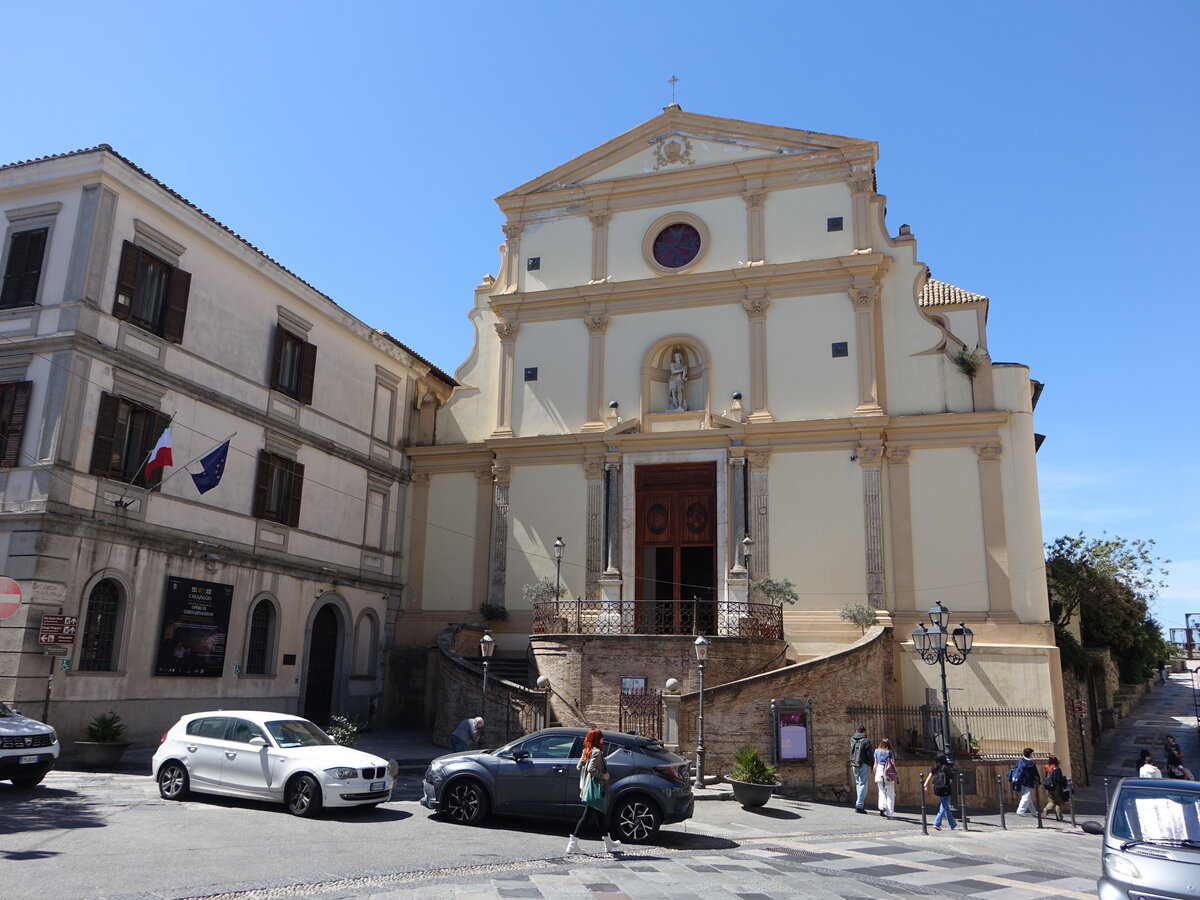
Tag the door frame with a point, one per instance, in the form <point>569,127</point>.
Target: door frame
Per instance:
<point>628,542</point>
<point>341,665</point>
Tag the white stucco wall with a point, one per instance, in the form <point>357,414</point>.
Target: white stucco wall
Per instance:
<point>450,542</point>
<point>796,223</point>
<point>804,380</point>
<point>546,502</point>
<point>555,403</point>
<point>564,246</point>
<point>726,248</point>
<point>948,548</point>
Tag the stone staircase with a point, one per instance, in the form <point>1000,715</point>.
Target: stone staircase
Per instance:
<point>505,668</point>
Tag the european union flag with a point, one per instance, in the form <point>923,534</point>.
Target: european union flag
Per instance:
<point>214,468</point>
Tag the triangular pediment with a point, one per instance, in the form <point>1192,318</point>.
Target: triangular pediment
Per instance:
<point>676,141</point>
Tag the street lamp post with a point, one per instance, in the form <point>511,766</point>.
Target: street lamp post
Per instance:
<point>558,552</point>
<point>701,645</point>
<point>936,645</point>
<point>487,646</point>
<point>747,545</point>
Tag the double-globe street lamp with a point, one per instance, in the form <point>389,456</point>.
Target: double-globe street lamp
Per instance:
<point>936,645</point>
<point>487,646</point>
<point>701,646</point>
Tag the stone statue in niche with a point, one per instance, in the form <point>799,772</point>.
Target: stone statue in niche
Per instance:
<point>676,378</point>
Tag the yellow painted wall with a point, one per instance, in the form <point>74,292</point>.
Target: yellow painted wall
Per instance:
<point>450,542</point>
<point>546,502</point>
<point>555,403</point>
<point>948,550</point>
<point>796,225</point>
<point>805,381</point>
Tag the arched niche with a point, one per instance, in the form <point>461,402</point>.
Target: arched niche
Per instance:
<point>656,374</point>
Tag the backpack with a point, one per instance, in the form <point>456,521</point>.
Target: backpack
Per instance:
<point>941,782</point>
<point>1053,780</point>
<point>860,752</point>
<point>1014,777</point>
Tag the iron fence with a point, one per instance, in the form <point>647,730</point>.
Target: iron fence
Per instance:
<point>916,731</point>
<point>641,713</point>
<point>712,617</point>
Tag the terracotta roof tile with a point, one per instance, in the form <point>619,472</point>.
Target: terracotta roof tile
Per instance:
<point>939,293</point>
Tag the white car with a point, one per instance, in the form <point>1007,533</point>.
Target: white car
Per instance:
<point>28,749</point>
<point>268,756</point>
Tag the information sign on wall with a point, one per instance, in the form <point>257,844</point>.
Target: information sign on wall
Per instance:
<point>195,625</point>
<point>793,735</point>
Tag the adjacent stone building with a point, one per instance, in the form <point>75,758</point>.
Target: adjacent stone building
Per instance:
<point>125,308</point>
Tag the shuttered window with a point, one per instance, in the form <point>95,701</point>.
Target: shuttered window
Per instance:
<point>152,293</point>
<point>14,405</point>
<point>126,432</point>
<point>278,489</point>
<point>293,365</point>
<point>23,271</point>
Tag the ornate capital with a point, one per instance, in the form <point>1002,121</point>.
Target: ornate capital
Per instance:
<point>864,297</point>
<point>600,219</point>
<point>756,306</point>
<point>988,450</point>
<point>484,474</point>
<point>755,199</point>
<point>596,324</point>
<point>737,461</point>
<point>593,468</point>
<point>612,467</point>
<point>507,330</point>
<point>897,455</point>
<point>862,183</point>
<point>512,230</point>
<point>870,454</point>
<point>759,458</point>
<point>421,477</point>
<point>502,474</point>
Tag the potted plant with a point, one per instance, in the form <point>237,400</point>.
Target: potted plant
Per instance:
<point>753,780</point>
<point>103,742</point>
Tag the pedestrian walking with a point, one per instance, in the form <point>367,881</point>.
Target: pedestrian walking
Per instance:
<point>860,762</point>
<point>1058,792</point>
<point>1148,768</point>
<point>1174,760</point>
<point>593,790</point>
<point>1026,779</point>
<point>941,779</point>
<point>466,734</point>
<point>886,776</point>
<point>1162,671</point>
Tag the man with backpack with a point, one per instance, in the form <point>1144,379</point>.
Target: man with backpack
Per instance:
<point>1024,776</point>
<point>861,755</point>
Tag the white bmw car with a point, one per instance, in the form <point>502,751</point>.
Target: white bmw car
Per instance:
<point>268,756</point>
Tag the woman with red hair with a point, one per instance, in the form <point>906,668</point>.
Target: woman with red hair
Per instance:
<point>593,775</point>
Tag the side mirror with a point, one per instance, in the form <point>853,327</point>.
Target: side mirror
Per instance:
<point>519,755</point>
<point>1091,827</point>
<point>258,742</point>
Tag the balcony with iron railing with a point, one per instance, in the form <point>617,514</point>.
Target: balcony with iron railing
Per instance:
<point>730,618</point>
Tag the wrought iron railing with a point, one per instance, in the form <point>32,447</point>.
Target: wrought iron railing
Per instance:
<point>915,732</point>
<point>712,617</point>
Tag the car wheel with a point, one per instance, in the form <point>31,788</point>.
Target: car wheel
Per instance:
<point>173,781</point>
<point>27,781</point>
<point>636,820</point>
<point>466,802</point>
<point>304,796</point>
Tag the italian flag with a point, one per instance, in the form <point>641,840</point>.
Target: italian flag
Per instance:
<point>160,456</point>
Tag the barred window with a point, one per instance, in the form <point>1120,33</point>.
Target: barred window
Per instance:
<point>262,630</point>
<point>98,650</point>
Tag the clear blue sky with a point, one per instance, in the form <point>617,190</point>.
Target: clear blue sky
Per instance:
<point>1043,154</point>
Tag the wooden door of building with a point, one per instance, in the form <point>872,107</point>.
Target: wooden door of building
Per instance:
<point>676,548</point>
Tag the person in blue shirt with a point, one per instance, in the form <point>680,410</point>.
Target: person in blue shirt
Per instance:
<point>1027,777</point>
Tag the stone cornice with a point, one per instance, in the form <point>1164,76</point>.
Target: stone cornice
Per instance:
<point>808,277</point>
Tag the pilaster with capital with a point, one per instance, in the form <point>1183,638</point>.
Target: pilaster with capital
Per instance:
<point>864,298</point>
<point>755,227</point>
<point>870,458</point>
<point>593,471</point>
<point>484,503</point>
<point>756,305</point>
<point>507,332</point>
<point>498,566</point>
<point>419,485</point>
<point>612,514</point>
<point>596,325</point>
<point>995,535</point>
<point>512,256</point>
<point>862,189</point>
<point>739,524</point>
<point>599,222</point>
<point>760,522</point>
<point>901,531</point>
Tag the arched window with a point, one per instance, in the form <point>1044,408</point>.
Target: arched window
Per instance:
<point>366,636</point>
<point>98,651</point>
<point>260,639</point>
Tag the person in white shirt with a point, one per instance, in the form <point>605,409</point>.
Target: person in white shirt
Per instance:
<point>1148,769</point>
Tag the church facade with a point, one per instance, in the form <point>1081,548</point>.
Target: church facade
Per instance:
<point>707,361</point>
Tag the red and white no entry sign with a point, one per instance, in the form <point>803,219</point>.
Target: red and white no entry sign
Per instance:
<point>10,597</point>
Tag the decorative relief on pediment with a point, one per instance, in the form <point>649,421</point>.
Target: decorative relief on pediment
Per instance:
<point>675,150</point>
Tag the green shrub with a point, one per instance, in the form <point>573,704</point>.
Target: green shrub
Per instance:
<point>344,730</point>
<point>778,592</point>
<point>750,768</point>
<point>105,728</point>
<point>492,612</point>
<point>861,614</point>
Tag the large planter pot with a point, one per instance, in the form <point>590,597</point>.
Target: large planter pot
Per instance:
<point>751,795</point>
<point>101,756</point>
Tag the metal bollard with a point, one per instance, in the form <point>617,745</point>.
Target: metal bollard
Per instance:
<point>1000,797</point>
<point>924,815</point>
<point>1071,800</point>
<point>1037,802</point>
<point>962,800</point>
<point>1106,798</point>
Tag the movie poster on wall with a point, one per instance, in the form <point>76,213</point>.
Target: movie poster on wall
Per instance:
<point>195,625</point>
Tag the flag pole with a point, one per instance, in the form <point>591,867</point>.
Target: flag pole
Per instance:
<point>123,503</point>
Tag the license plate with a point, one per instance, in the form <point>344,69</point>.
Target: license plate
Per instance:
<point>378,785</point>
<point>28,760</point>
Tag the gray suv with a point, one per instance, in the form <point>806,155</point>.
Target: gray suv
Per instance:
<point>28,749</point>
<point>536,776</point>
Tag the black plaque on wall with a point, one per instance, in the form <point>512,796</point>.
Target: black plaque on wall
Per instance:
<point>195,625</point>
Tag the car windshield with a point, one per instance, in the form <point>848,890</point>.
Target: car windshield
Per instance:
<point>297,733</point>
<point>1157,814</point>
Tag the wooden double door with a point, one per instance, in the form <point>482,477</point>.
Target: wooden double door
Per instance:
<point>676,548</point>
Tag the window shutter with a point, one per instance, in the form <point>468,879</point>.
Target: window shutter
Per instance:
<point>16,424</point>
<point>177,303</point>
<point>265,461</point>
<point>126,281</point>
<point>294,496</point>
<point>24,269</point>
<point>106,424</point>
<point>308,372</point>
<point>277,358</point>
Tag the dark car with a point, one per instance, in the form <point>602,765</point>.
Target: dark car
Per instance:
<point>537,776</point>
